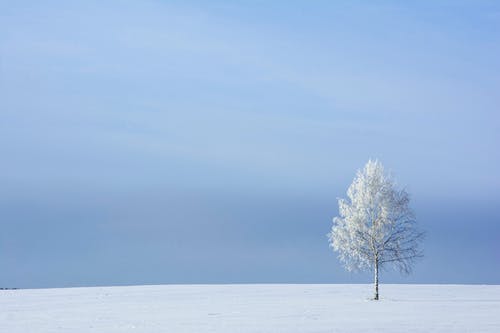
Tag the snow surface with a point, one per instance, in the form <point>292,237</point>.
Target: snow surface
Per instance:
<point>252,308</point>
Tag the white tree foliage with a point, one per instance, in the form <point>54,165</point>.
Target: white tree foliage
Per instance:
<point>376,226</point>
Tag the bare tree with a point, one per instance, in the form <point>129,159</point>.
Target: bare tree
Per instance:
<point>376,226</point>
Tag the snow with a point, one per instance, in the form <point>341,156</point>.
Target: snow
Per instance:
<point>376,226</point>
<point>252,308</point>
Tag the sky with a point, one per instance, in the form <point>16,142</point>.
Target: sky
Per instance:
<point>152,142</point>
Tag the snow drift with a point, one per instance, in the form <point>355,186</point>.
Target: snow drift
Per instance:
<point>252,308</point>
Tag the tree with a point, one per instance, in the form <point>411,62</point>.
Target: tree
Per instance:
<point>376,226</point>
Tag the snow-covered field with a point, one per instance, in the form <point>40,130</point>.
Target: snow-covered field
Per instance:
<point>252,308</point>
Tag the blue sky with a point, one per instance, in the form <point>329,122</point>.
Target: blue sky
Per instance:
<point>207,142</point>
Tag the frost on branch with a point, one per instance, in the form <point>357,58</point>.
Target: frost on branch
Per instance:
<point>376,226</point>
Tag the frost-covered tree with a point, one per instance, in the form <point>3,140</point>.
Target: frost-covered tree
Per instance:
<point>376,226</point>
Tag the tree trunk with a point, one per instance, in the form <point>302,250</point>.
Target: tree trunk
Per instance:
<point>376,279</point>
